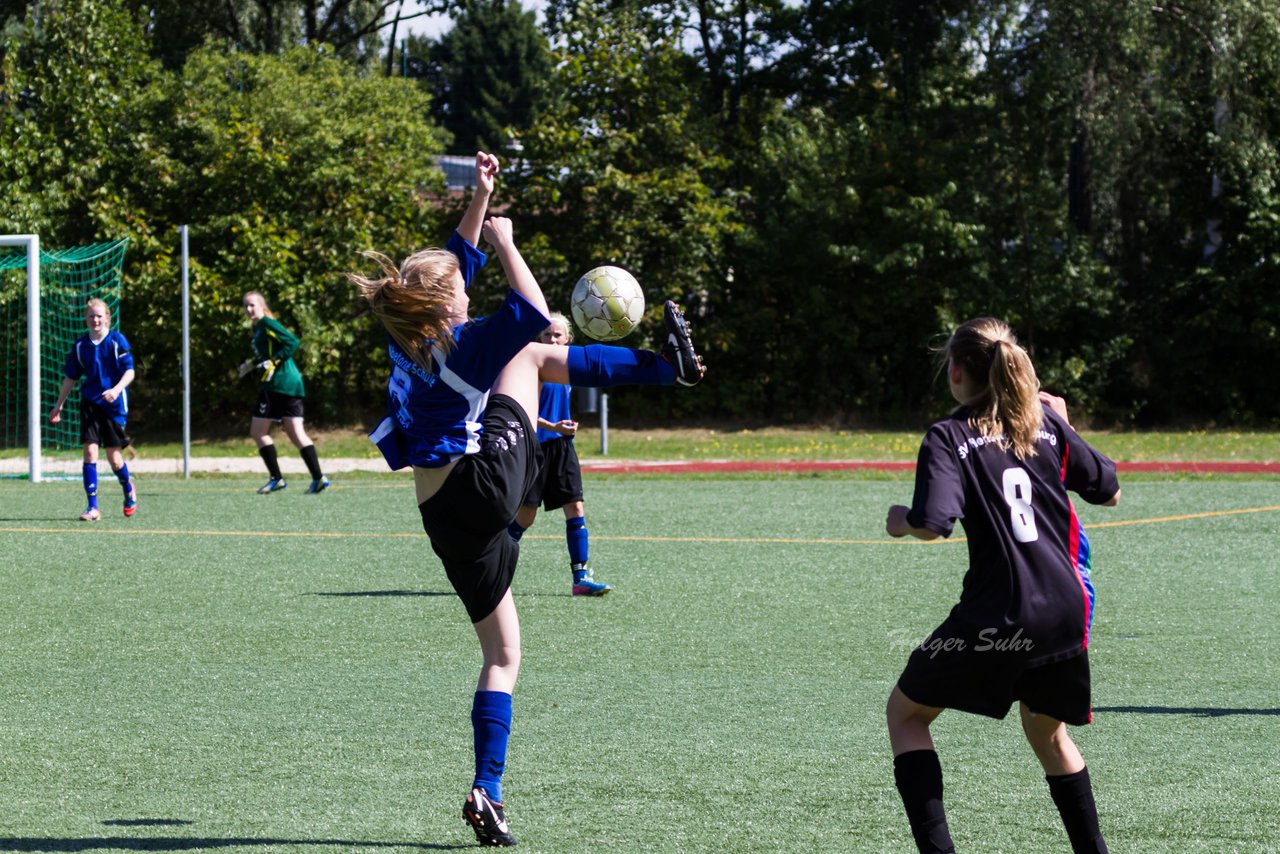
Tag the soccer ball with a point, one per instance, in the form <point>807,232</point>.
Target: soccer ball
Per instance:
<point>607,303</point>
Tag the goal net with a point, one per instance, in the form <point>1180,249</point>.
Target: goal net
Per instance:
<point>67,280</point>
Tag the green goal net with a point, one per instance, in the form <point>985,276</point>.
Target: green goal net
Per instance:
<point>69,278</point>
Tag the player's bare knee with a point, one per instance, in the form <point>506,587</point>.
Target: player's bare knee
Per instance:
<point>897,711</point>
<point>505,658</point>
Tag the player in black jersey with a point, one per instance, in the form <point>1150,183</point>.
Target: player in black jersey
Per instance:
<point>1002,462</point>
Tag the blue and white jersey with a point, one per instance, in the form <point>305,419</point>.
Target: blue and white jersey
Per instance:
<point>553,406</point>
<point>102,365</point>
<point>435,416</point>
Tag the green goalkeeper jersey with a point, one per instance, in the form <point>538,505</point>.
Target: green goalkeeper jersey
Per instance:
<point>273,343</point>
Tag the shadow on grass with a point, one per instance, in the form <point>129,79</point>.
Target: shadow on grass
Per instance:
<point>1195,711</point>
<point>192,843</point>
<point>67,518</point>
<point>145,822</point>
<point>362,593</point>
<point>375,593</point>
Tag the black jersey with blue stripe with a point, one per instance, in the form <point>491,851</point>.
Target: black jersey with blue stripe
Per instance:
<point>1023,535</point>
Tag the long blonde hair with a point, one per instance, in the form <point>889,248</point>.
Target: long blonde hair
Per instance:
<point>266,308</point>
<point>413,302</point>
<point>988,352</point>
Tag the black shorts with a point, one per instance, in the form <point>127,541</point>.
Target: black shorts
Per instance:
<point>559,478</point>
<point>990,673</point>
<point>467,519</point>
<point>97,427</point>
<point>274,407</point>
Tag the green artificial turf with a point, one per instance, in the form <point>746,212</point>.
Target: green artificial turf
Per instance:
<point>769,443</point>
<point>228,671</point>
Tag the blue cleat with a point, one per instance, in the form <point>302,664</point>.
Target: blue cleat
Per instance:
<point>318,486</point>
<point>274,485</point>
<point>585,585</point>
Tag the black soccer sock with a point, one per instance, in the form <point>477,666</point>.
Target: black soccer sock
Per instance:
<point>268,453</point>
<point>918,775</point>
<point>312,460</point>
<point>1073,795</point>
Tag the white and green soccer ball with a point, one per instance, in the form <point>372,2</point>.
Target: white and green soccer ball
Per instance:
<point>607,303</point>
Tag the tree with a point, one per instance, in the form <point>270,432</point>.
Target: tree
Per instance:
<point>284,168</point>
<point>490,74</point>
<point>614,172</point>
<point>67,80</point>
<point>357,30</point>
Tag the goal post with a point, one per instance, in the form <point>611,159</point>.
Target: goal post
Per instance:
<point>31,242</point>
<point>58,285</point>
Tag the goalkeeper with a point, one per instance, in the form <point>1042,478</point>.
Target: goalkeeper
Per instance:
<point>281,395</point>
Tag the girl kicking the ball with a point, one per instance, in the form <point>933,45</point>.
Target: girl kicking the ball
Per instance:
<point>1002,463</point>
<point>462,400</point>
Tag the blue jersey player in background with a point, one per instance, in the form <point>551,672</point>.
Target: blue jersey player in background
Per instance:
<point>100,358</point>
<point>462,400</point>
<point>558,484</point>
<point>1002,463</point>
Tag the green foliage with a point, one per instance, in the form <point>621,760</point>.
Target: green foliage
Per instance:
<point>352,28</point>
<point>301,162</point>
<point>491,75</point>
<point>282,167</point>
<point>603,180</point>
<point>69,78</point>
<point>829,187</point>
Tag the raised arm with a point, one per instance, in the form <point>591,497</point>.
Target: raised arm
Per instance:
<point>473,219</point>
<point>497,230</point>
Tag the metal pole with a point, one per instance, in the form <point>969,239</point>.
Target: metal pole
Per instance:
<point>32,242</point>
<point>186,360</point>
<point>604,423</point>
<point>33,358</point>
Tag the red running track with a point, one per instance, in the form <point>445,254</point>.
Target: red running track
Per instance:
<point>714,466</point>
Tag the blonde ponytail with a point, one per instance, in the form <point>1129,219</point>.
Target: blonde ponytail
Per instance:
<point>1009,407</point>
<point>413,302</point>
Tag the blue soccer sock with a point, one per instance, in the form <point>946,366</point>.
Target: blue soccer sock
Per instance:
<point>122,475</point>
<point>491,726</point>
<point>601,366</point>
<point>575,534</point>
<point>91,483</point>
<point>515,531</point>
